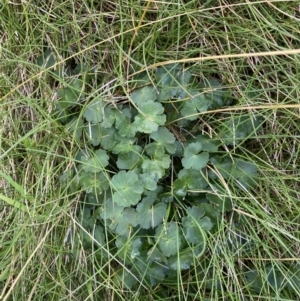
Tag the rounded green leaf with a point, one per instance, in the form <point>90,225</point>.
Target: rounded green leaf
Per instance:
<point>128,160</point>
<point>208,144</point>
<point>192,149</point>
<point>96,134</point>
<point>119,219</point>
<point>196,103</point>
<point>189,110</point>
<point>154,255</point>
<point>179,188</point>
<point>76,126</point>
<point>240,127</point>
<point>98,235</point>
<point>172,82</point>
<point>126,222</point>
<point>193,179</point>
<point>149,181</point>
<point>194,225</point>
<point>182,262</point>
<point>125,145</point>
<point>110,115</point>
<point>128,188</point>
<point>128,248</point>
<point>156,166</point>
<point>150,215</point>
<point>93,182</point>
<point>164,138</point>
<point>150,273</point>
<point>245,173</point>
<point>68,97</point>
<point>97,162</point>
<point>224,166</point>
<point>166,197</point>
<point>150,117</point>
<point>166,75</point>
<point>142,95</point>
<point>192,158</point>
<point>141,79</point>
<point>93,133</point>
<point>169,238</point>
<point>215,93</point>
<point>124,125</point>
<point>94,111</point>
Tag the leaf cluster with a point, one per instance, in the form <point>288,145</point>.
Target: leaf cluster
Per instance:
<point>156,193</point>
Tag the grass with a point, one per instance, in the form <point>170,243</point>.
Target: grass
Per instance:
<point>118,39</point>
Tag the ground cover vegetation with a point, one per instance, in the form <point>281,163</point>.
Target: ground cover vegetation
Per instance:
<point>149,150</point>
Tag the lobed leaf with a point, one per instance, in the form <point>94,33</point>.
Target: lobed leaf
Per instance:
<point>76,126</point>
<point>97,162</point>
<point>70,180</point>
<point>211,212</point>
<point>154,255</point>
<point>93,182</point>
<point>179,188</point>
<point>153,274</point>
<point>216,95</point>
<point>149,181</point>
<point>194,224</point>
<point>192,158</point>
<point>208,144</point>
<point>149,215</point>
<point>172,82</point>
<point>128,188</point>
<point>94,238</point>
<point>129,160</point>
<point>129,249</point>
<point>142,95</point>
<point>94,111</point>
<point>193,179</point>
<point>124,125</point>
<point>150,117</point>
<point>164,139</point>
<point>166,197</point>
<point>197,102</point>
<point>96,134</point>
<point>223,166</point>
<point>141,79</point>
<point>169,238</point>
<point>109,117</point>
<point>182,261</point>
<point>156,167</point>
<point>127,222</point>
<point>120,219</point>
<point>125,145</point>
<point>47,59</point>
<point>245,173</point>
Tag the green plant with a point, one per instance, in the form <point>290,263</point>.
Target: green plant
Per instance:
<point>151,178</point>
<point>117,38</point>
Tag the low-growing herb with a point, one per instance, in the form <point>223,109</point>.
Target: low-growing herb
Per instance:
<point>150,179</point>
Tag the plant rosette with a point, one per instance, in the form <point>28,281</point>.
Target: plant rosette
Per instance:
<point>148,178</point>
